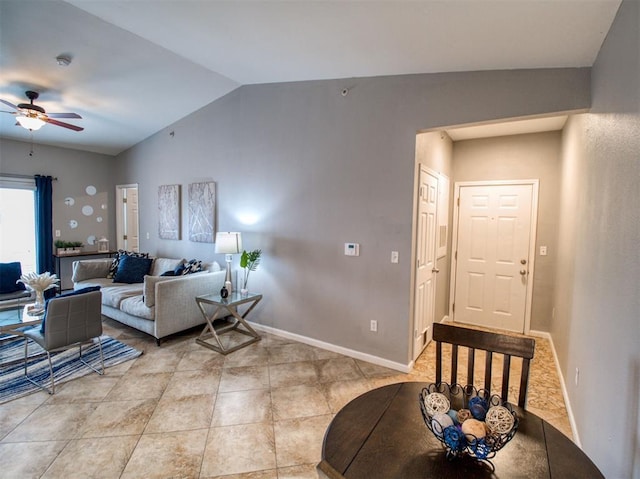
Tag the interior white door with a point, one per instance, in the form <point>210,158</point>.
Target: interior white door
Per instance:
<point>492,267</point>
<point>133,240</point>
<point>127,229</point>
<point>424,305</point>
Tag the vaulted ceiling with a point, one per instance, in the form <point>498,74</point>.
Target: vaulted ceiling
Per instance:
<point>138,66</point>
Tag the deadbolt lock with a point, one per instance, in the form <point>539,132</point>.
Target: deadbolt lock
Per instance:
<point>523,261</point>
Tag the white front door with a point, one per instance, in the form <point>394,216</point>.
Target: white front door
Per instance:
<point>494,237</point>
<point>424,306</point>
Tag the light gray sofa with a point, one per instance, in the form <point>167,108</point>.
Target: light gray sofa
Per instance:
<point>161,305</point>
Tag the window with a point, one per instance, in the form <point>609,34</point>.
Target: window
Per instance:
<point>17,223</point>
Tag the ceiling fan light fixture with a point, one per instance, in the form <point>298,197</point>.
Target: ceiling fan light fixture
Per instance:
<point>31,123</point>
<point>63,60</point>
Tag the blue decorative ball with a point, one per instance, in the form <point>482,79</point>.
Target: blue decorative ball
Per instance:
<point>453,414</point>
<point>478,407</point>
<point>454,439</point>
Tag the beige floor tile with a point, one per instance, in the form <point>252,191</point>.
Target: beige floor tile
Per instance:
<point>253,355</point>
<point>91,389</point>
<point>21,460</point>
<point>268,474</point>
<point>192,383</point>
<point>339,369</point>
<point>247,448</point>
<point>307,471</point>
<point>51,423</point>
<point>119,418</point>
<point>244,378</point>
<point>373,370</point>
<point>292,374</point>
<point>242,407</point>
<point>97,457</point>
<point>298,401</point>
<point>168,455</point>
<point>139,386</point>
<point>160,360</point>
<point>339,393</point>
<point>182,414</point>
<point>201,358</point>
<point>14,412</point>
<point>299,441</point>
<point>290,353</point>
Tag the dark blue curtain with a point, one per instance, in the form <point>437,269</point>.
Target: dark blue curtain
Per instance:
<point>44,224</point>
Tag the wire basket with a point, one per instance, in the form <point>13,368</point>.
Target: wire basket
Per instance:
<point>446,408</point>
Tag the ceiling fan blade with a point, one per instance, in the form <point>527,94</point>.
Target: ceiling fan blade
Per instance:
<point>64,125</point>
<point>10,112</point>
<point>9,104</point>
<point>63,115</point>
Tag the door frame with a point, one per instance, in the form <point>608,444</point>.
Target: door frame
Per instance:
<point>535,184</point>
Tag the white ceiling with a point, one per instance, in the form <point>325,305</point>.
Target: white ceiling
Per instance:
<point>139,66</point>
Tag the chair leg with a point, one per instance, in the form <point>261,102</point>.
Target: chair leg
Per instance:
<point>53,385</point>
<point>101,372</point>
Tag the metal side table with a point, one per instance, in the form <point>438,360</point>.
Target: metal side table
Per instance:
<point>230,305</point>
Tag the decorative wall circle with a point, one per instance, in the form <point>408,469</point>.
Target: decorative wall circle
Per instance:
<point>73,224</point>
<point>91,190</point>
<point>87,210</point>
<point>91,240</point>
<point>99,219</point>
<point>69,201</point>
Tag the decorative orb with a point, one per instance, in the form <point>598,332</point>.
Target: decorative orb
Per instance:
<point>87,210</point>
<point>499,420</point>
<point>463,415</point>
<point>436,402</point>
<point>454,439</point>
<point>473,429</point>
<point>439,422</point>
<point>453,414</point>
<point>91,190</point>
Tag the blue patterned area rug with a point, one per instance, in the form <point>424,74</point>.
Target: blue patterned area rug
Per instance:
<point>66,365</point>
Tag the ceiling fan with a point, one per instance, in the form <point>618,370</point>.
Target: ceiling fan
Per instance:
<point>33,117</point>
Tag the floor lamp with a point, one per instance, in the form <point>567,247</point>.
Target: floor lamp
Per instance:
<point>228,243</point>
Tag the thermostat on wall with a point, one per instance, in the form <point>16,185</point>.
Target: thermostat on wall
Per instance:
<point>351,249</point>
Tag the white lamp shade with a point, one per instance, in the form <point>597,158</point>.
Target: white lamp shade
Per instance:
<point>30,122</point>
<point>228,243</point>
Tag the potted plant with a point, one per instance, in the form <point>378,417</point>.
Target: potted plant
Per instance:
<point>249,261</point>
<point>60,246</point>
<point>76,246</point>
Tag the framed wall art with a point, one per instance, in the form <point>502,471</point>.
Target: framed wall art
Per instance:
<point>169,212</point>
<point>202,212</point>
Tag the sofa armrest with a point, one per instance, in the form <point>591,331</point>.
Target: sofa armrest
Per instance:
<point>90,268</point>
<point>176,307</point>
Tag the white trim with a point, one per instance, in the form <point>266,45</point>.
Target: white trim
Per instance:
<point>532,243</point>
<point>403,368</point>
<point>565,395</point>
<point>17,183</point>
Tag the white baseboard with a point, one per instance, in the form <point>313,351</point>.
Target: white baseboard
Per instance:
<point>574,428</point>
<point>403,368</point>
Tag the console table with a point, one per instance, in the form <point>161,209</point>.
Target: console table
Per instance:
<point>229,305</point>
<point>381,434</point>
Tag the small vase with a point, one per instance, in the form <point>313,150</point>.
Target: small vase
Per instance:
<point>39,299</point>
<point>244,291</point>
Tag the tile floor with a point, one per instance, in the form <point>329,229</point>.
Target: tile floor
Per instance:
<point>183,411</point>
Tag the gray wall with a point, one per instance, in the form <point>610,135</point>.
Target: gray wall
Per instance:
<point>519,157</point>
<point>316,169</point>
<point>597,288</point>
<point>75,171</point>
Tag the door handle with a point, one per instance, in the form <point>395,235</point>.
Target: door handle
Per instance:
<point>523,272</point>
<point>435,270</point>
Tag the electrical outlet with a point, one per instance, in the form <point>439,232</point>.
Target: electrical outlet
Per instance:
<point>577,380</point>
<point>374,326</point>
<point>147,235</point>
<point>394,256</point>
<point>57,233</point>
<point>543,251</point>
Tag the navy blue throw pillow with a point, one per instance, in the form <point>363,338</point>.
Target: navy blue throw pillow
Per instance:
<point>9,274</point>
<point>132,270</point>
<point>179,271</point>
<point>76,292</point>
<point>169,273</point>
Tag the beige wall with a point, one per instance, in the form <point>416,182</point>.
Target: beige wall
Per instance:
<point>519,157</point>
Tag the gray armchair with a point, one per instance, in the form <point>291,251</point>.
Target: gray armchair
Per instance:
<point>70,320</point>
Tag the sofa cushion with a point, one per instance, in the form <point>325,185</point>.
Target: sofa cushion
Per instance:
<point>9,275</point>
<point>149,294</point>
<point>135,306</point>
<point>132,269</point>
<point>115,293</point>
<point>88,269</point>
<point>211,267</point>
<point>119,256</point>
<point>161,265</point>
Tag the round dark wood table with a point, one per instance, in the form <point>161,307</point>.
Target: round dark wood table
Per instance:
<point>381,435</point>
